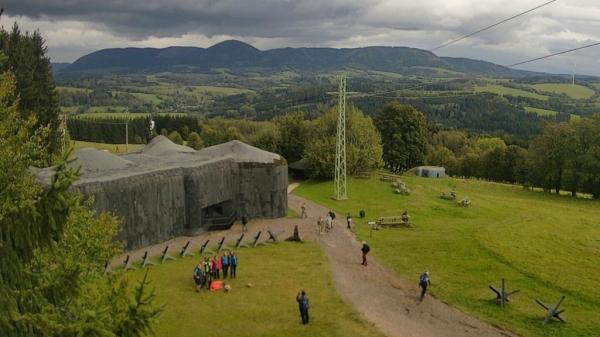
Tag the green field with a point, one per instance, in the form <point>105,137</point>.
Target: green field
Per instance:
<point>268,308</point>
<point>573,91</point>
<point>544,245</point>
<point>502,90</point>
<point>541,112</point>
<point>114,148</point>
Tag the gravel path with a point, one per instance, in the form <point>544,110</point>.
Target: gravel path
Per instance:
<point>381,296</point>
<point>384,299</point>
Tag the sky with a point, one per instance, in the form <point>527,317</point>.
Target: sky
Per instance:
<point>73,28</point>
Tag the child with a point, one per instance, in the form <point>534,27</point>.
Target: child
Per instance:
<point>219,266</point>
<point>233,262</point>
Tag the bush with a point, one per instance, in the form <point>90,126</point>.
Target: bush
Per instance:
<point>176,138</point>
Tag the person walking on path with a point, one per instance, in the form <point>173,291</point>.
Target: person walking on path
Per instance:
<point>328,223</point>
<point>365,250</point>
<point>304,215</point>
<point>225,264</point>
<point>320,224</point>
<point>424,282</point>
<point>233,263</point>
<point>332,215</point>
<point>303,305</point>
<point>244,224</point>
<point>349,221</point>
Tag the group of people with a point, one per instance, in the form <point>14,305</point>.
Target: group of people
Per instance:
<point>326,224</point>
<point>208,270</point>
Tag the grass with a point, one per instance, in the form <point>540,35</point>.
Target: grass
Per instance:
<point>541,112</point>
<point>573,91</point>
<point>268,308</point>
<point>502,90</point>
<point>542,244</point>
<point>114,148</point>
<point>293,214</point>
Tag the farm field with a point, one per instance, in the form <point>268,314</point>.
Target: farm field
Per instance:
<point>541,112</point>
<point>268,308</point>
<point>501,90</point>
<point>576,91</point>
<point>544,245</point>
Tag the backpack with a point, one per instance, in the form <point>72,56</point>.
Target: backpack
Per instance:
<point>366,248</point>
<point>424,278</point>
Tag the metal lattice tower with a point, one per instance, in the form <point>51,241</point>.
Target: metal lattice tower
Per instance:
<point>340,145</point>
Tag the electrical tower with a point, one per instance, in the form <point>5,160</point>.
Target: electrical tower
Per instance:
<point>340,145</point>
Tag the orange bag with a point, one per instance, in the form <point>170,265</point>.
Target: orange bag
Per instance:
<point>216,285</point>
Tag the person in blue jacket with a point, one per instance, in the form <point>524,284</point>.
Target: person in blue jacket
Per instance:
<point>225,264</point>
<point>199,277</point>
<point>233,263</point>
<point>303,306</point>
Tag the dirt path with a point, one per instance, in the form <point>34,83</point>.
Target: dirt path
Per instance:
<point>384,299</point>
<point>381,297</point>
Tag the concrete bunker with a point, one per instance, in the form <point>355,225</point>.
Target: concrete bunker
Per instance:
<point>165,190</point>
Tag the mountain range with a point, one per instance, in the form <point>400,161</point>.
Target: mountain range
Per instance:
<point>237,55</point>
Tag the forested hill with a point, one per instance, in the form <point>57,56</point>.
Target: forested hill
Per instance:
<point>238,55</point>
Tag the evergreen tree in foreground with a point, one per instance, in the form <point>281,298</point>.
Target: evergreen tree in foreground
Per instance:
<point>28,62</point>
<point>52,245</point>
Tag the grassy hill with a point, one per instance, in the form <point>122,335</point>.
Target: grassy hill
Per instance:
<point>268,308</point>
<point>544,245</point>
<point>541,112</point>
<point>502,90</point>
<point>573,91</point>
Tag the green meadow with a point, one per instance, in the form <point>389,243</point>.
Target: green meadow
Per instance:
<point>541,112</point>
<point>573,91</point>
<point>545,245</point>
<point>502,90</point>
<point>262,300</point>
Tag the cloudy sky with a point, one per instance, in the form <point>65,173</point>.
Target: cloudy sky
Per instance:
<point>74,28</point>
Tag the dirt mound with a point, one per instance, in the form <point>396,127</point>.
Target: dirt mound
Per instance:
<point>161,146</point>
<point>93,160</point>
<point>240,152</point>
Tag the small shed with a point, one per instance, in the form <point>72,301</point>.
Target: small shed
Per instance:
<point>430,171</point>
<point>299,169</point>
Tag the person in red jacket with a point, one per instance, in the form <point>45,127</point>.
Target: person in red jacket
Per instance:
<point>219,266</point>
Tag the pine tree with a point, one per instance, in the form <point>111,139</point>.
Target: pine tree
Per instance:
<point>31,67</point>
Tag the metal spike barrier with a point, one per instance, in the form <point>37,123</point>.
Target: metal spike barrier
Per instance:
<point>128,264</point>
<point>273,236</point>
<point>502,295</point>
<point>187,250</point>
<point>239,243</point>
<point>107,268</point>
<point>220,246</point>
<point>256,243</point>
<point>203,248</point>
<point>146,261</point>
<point>552,312</point>
<point>166,256</point>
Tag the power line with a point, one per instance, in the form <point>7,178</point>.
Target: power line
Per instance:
<point>491,26</point>
<point>555,54</point>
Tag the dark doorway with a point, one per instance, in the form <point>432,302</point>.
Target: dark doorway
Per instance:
<point>218,216</point>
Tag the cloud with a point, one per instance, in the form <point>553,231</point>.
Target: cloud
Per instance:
<point>75,27</point>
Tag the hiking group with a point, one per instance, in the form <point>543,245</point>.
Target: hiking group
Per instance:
<point>326,224</point>
<point>208,270</point>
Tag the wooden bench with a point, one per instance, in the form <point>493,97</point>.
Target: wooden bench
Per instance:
<point>393,221</point>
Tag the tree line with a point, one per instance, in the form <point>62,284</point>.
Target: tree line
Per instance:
<point>111,130</point>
